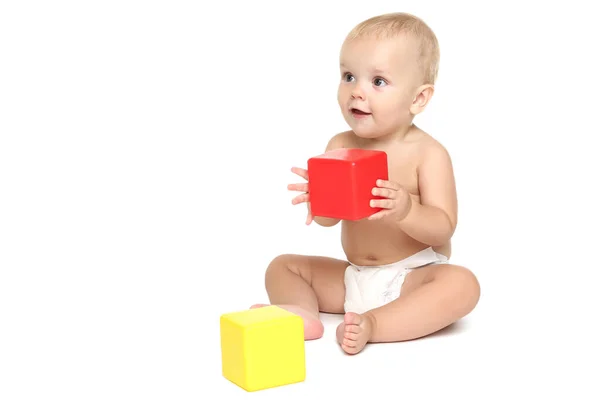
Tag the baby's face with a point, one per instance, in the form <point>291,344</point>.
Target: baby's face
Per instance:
<point>378,82</point>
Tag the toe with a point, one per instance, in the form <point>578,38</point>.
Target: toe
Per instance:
<point>353,328</point>
<point>350,350</point>
<point>351,336</point>
<point>352,318</point>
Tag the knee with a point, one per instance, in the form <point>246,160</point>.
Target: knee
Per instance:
<point>467,288</point>
<point>278,263</point>
<point>286,263</point>
<point>283,262</point>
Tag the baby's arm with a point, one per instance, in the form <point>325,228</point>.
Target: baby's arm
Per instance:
<point>335,142</point>
<point>324,221</point>
<point>433,221</point>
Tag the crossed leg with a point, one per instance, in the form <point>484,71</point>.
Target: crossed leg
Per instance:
<point>432,298</point>
<point>307,285</point>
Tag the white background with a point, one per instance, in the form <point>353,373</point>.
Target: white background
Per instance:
<point>145,150</point>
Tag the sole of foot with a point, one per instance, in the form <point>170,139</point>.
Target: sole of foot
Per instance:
<point>313,327</point>
<point>354,333</point>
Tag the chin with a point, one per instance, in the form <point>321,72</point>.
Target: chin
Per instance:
<point>366,134</point>
<point>359,129</point>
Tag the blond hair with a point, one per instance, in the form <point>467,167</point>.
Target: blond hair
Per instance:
<point>394,24</point>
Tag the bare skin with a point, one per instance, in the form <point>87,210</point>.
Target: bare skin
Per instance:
<point>420,211</point>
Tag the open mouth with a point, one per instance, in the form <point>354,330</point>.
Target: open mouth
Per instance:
<point>359,113</point>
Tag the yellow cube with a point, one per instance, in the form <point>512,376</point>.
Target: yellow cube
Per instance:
<point>262,348</point>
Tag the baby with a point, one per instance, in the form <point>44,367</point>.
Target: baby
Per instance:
<point>396,283</point>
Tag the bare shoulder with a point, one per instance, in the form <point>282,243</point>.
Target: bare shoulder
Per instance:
<point>430,150</point>
<point>340,140</point>
<point>436,176</point>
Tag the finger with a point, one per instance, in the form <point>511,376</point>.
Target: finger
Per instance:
<point>384,192</point>
<point>303,198</point>
<point>300,172</point>
<point>380,214</point>
<point>387,184</point>
<point>309,218</point>
<point>301,187</point>
<point>382,203</point>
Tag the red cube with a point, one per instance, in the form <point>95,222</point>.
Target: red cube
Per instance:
<point>340,182</point>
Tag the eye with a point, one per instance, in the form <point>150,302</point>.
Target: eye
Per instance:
<point>379,82</point>
<point>348,77</point>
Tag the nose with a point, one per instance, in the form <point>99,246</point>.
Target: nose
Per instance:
<point>357,92</point>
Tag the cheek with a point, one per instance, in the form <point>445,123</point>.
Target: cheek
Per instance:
<point>342,93</point>
<point>395,103</point>
<point>388,104</point>
<point>391,110</point>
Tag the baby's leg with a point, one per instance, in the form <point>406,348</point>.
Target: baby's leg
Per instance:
<point>306,285</point>
<point>432,298</point>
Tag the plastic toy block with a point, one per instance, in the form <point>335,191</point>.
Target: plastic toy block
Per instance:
<point>262,348</point>
<point>340,182</point>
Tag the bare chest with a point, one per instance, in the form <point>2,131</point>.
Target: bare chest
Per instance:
<point>402,169</point>
<point>403,161</point>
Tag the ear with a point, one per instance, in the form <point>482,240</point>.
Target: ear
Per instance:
<point>422,98</point>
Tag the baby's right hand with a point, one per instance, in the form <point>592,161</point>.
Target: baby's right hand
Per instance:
<point>301,187</point>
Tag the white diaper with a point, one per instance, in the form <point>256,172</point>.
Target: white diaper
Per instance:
<point>373,286</point>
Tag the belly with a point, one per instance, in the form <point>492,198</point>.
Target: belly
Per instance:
<point>376,242</point>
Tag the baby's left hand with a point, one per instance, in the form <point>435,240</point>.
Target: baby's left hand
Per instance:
<point>396,201</point>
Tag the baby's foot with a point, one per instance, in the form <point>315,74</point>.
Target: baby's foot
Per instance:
<point>313,328</point>
<point>354,333</point>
